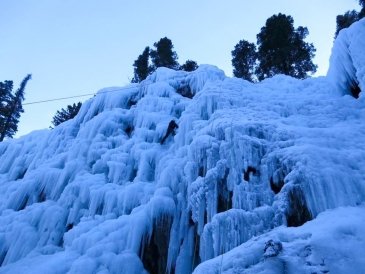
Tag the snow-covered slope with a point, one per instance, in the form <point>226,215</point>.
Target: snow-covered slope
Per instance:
<point>332,243</point>
<point>147,180</point>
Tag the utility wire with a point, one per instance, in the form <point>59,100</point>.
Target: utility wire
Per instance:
<point>89,94</point>
<point>57,99</point>
<point>76,96</point>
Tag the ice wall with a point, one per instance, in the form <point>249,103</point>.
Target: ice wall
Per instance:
<point>119,190</point>
<point>347,64</point>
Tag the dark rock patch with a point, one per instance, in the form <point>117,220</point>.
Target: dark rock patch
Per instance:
<point>155,251</point>
<point>355,90</point>
<point>250,170</point>
<point>298,212</point>
<point>272,248</point>
<point>276,186</point>
<point>224,202</point>
<point>170,131</point>
<point>185,91</point>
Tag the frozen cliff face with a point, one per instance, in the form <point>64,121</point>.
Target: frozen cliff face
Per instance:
<point>347,64</point>
<point>165,175</point>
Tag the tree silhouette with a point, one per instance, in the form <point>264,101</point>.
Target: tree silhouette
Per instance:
<point>11,107</point>
<point>362,12</point>
<point>244,58</point>
<point>6,88</point>
<point>362,3</point>
<point>189,66</point>
<point>141,66</point>
<point>282,49</point>
<point>346,20</point>
<point>66,114</point>
<point>163,54</point>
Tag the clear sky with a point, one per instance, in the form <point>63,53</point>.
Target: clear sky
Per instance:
<point>75,47</point>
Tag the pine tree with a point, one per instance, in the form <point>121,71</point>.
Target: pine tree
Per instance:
<point>282,50</point>
<point>6,97</point>
<point>11,108</point>
<point>66,114</point>
<point>6,88</point>
<point>189,66</point>
<point>244,58</point>
<point>346,20</point>
<point>163,54</point>
<point>141,66</point>
<point>362,12</point>
<point>362,3</point>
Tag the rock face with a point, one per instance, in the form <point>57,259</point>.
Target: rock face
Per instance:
<point>111,192</point>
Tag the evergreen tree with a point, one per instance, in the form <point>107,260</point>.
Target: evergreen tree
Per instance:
<point>11,107</point>
<point>141,66</point>
<point>66,114</point>
<point>6,88</point>
<point>163,54</point>
<point>189,66</point>
<point>346,20</point>
<point>362,12</point>
<point>282,50</point>
<point>244,58</point>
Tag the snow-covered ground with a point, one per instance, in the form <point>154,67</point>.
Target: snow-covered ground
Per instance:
<point>243,167</point>
<point>334,242</point>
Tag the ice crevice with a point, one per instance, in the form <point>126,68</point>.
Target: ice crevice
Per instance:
<point>169,175</point>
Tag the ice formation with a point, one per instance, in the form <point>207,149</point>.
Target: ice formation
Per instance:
<point>347,70</point>
<point>195,171</point>
<point>332,243</point>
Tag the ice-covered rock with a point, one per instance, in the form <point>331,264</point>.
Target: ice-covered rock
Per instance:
<point>347,64</point>
<point>164,175</point>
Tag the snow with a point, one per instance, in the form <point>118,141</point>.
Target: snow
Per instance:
<point>102,193</point>
<point>332,243</point>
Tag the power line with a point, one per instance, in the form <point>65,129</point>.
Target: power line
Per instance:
<point>89,94</point>
<point>76,96</point>
<point>57,99</point>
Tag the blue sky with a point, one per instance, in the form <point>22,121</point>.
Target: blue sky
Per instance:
<point>76,47</point>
